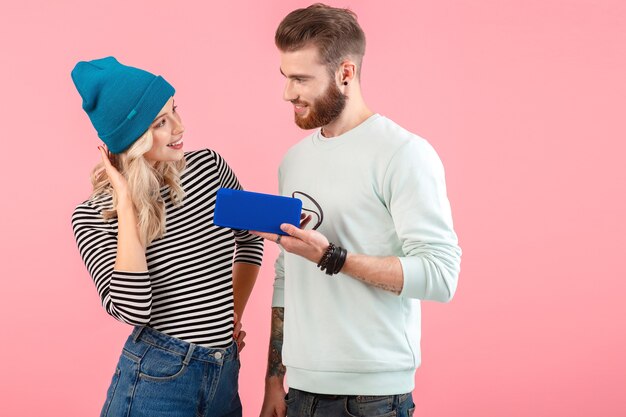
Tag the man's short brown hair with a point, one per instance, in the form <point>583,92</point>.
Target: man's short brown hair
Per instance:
<point>335,32</point>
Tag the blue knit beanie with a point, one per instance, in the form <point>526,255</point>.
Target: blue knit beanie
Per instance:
<point>121,101</point>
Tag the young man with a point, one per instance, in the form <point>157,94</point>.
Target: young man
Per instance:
<point>346,315</point>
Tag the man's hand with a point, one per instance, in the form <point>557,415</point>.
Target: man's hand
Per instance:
<point>309,244</point>
<point>274,401</point>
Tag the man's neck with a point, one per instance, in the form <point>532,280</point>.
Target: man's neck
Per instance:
<point>347,120</point>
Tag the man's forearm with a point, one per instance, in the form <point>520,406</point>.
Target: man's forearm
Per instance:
<point>275,367</point>
<point>381,272</point>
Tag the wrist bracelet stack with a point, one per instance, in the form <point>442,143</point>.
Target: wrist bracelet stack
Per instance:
<point>333,259</point>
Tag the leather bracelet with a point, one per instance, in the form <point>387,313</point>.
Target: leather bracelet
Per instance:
<point>341,260</point>
<point>323,263</point>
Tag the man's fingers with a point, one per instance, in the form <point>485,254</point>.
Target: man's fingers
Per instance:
<point>268,236</point>
<point>306,219</point>
<point>292,230</point>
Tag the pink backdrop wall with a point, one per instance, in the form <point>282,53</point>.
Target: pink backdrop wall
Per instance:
<point>522,99</point>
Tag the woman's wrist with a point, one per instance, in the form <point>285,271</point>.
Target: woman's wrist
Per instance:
<point>125,203</point>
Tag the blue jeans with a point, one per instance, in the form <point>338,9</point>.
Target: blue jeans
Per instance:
<point>158,375</point>
<point>306,404</point>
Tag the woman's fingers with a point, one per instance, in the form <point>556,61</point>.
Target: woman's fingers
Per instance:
<point>240,341</point>
<point>237,329</point>
<point>105,158</point>
<point>238,334</point>
<point>118,182</point>
<point>108,166</point>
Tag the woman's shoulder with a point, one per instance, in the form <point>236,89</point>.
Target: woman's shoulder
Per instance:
<point>94,205</point>
<point>202,158</point>
<point>88,215</point>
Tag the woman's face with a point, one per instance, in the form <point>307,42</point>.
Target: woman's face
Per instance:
<point>167,135</point>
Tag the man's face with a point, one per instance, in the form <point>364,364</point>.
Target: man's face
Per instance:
<point>314,94</point>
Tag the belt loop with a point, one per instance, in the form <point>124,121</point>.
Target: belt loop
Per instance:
<point>137,333</point>
<point>192,347</point>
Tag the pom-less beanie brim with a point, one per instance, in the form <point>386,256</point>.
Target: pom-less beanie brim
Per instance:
<point>140,117</point>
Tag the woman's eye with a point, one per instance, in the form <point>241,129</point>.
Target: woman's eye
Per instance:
<point>174,109</point>
<point>161,123</point>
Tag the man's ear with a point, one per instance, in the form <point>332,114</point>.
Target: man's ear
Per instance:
<point>347,72</point>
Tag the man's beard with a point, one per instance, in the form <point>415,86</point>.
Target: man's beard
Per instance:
<point>324,110</point>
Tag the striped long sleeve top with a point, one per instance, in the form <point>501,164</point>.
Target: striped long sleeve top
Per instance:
<point>187,291</point>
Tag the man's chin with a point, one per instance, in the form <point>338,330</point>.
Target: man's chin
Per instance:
<point>304,123</point>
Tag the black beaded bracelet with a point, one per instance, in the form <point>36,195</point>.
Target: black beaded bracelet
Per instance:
<point>333,259</point>
<point>323,263</point>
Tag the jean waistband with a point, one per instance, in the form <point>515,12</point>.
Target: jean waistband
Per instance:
<point>359,398</point>
<point>180,347</point>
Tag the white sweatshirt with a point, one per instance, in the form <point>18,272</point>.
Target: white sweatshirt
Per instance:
<point>382,191</point>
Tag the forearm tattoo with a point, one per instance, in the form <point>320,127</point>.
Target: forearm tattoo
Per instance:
<point>275,365</point>
<point>367,268</point>
<point>383,286</point>
<point>386,287</point>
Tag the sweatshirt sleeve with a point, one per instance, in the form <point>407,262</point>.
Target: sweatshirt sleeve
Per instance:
<point>249,248</point>
<point>415,193</point>
<point>278,296</point>
<point>127,296</point>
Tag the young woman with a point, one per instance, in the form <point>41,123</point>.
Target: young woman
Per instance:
<point>159,263</point>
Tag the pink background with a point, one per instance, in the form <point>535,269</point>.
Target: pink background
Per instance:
<point>520,98</point>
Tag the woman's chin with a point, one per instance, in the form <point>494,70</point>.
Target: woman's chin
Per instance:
<point>170,156</point>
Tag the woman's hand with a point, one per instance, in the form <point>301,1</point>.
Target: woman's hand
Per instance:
<point>239,334</point>
<point>127,218</point>
<point>118,182</point>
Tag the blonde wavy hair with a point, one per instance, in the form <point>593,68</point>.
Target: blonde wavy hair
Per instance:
<point>144,182</point>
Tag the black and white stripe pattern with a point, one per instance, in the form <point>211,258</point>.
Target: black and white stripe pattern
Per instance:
<point>187,291</point>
